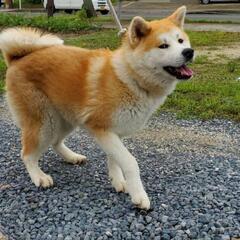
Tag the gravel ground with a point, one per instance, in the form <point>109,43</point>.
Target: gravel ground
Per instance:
<point>191,171</point>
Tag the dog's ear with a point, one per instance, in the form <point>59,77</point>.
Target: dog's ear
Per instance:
<point>138,29</point>
<point>178,16</point>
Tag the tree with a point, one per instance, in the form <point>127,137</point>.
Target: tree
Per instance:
<point>9,3</point>
<point>88,6</point>
<point>50,8</point>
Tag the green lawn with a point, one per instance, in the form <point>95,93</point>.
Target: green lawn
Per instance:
<point>101,39</point>
<point>214,92</point>
<point>2,73</point>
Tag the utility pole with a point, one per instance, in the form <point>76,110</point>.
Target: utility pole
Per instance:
<point>50,8</point>
<point>119,9</point>
<point>9,4</point>
<point>88,6</point>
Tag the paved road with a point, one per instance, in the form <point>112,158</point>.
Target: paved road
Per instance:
<point>151,10</point>
<point>191,171</point>
<point>157,14</point>
<point>223,12</point>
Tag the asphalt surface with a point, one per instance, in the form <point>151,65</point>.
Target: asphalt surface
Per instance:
<point>190,169</point>
<point>156,14</point>
<point>156,10</point>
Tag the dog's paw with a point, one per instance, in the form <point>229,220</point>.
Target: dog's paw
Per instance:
<point>120,186</point>
<point>76,159</point>
<point>42,180</point>
<point>141,200</point>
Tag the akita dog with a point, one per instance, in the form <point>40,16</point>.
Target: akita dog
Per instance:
<point>53,88</point>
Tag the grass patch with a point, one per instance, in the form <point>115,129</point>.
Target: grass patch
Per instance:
<point>58,23</point>
<point>103,39</point>
<point>104,19</point>
<point>211,21</point>
<point>212,93</point>
<point>2,73</point>
<point>212,39</point>
<point>201,59</point>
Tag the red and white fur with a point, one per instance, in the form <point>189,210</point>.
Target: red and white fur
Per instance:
<point>53,88</point>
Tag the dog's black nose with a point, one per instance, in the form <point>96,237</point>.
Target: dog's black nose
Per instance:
<point>188,53</point>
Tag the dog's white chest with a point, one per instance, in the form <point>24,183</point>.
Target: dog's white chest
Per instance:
<point>130,118</point>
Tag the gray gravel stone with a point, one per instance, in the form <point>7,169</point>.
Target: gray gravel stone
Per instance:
<point>190,169</point>
<point>109,234</point>
<point>225,237</point>
<point>165,237</point>
<point>148,219</point>
<point>60,237</point>
<point>69,216</point>
<point>68,238</point>
<point>140,226</point>
<point>164,219</point>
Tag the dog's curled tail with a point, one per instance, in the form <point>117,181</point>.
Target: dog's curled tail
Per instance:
<point>16,43</point>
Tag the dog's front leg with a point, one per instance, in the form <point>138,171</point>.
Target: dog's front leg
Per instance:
<point>116,151</point>
<point>116,176</point>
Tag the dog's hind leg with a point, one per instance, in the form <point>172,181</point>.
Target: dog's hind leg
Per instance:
<point>34,144</point>
<point>29,107</point>
<point>67,154</point>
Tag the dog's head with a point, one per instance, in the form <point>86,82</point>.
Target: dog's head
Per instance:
<point>160,47</point>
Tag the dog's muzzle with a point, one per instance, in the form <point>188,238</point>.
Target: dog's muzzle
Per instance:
<point>182,72</point>
<point>188,54</point>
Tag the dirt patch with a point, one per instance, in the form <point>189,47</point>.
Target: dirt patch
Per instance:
<point>188,139</point>
<point>4,112</point>
<point>213,27</point>
<point>220,54</point>
<point>2,237</point>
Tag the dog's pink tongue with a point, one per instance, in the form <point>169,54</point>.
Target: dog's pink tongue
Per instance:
<point>185,71</point>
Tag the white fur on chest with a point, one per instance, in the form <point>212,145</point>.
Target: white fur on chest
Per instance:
<point>130,118</point>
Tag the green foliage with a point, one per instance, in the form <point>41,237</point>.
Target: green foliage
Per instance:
<point>33,1</point>
<point>2,73</point>
<point>29,4</point>
<point>214,38</point>
<point>201,59</point>
<point>59,23</point>
<point>232,66</point>
<point>82,15</point>
<point>103,39</point>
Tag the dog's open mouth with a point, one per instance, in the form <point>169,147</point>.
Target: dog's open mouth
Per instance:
<point>182,72</point>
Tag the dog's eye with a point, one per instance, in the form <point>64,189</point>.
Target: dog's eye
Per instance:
<point>164,45</point>
<point>180,40</point>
